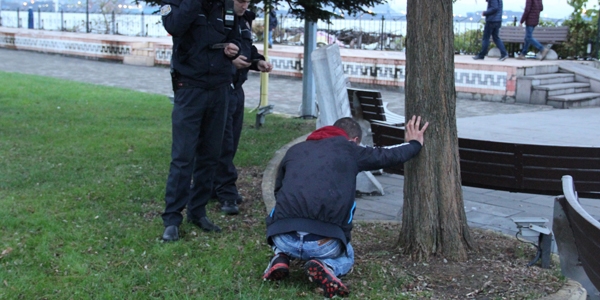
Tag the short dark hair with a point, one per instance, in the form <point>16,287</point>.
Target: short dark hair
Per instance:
<point>350,126</point>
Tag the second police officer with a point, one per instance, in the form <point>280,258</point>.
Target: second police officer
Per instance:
<point>206,39</point>
<point>226,175</point>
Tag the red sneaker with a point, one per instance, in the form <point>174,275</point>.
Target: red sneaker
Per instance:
<point>321,274</point>
<point>278,268</point>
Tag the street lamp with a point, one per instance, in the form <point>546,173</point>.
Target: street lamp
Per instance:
<point>87,16</point>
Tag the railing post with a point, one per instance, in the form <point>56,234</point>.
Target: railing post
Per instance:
<point>18,18</point>
<point>142,24</point>
<point>39,18</point>
<point>62,21</point>
<point>30,18</point>
<point>112,23</point>
<point>87,16</point>
<point>381,34</point>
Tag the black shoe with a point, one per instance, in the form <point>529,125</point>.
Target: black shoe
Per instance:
<point>171,233</point>
<point>205,224</point>
<point>278,268</point>
<point>503,58</point>
<point>322,275</point>
<point>229,207</point>
<point>476,57</point>
<point>239,200</point>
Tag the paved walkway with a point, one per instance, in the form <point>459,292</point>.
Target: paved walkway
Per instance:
<point>476,119</point>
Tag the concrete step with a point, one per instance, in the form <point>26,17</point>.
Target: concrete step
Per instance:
<point>574,100</point>
<point>562,88</point>
<point>545,79</point>
<point>138,60</point>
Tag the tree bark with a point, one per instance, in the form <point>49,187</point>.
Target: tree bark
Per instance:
<point>434,222</point>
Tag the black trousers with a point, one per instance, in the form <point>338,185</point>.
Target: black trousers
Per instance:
<point>198,122</point>
<point>226,174</point>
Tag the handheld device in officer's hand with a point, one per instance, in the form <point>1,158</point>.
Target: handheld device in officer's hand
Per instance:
<point>219,46</point>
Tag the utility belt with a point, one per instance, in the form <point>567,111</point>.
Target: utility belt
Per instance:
<point>180,82</point>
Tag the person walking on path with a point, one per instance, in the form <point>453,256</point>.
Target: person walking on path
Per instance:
<point>315,190</point>
<point>531,18</point>
<point>272,25</point>
<point>226,175</point>
<point>493,22</point>
<point>201,70</point>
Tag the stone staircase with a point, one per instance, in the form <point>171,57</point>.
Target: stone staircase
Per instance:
<point>567,85</point>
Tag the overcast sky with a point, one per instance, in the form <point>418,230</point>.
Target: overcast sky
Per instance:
<point>558,9</point>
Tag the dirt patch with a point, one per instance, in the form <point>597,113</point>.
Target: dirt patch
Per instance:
<point>497,270</point>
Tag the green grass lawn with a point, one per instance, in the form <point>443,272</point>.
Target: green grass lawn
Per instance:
<point>82,177</point>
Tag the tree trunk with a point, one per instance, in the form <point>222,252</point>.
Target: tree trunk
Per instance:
<point>434,220</point>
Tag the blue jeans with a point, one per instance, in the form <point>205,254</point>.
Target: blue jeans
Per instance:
<point>330,252</point>
<point>492,29</point>
<point>529,40</point>
<point>271,37</point>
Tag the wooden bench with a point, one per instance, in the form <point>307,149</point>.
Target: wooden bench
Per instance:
<point>371,107</point>
<point>513,167</point>
<point>578,240</point>
<point>544,35</point>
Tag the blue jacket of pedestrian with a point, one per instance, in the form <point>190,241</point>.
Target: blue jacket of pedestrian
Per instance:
<point>272,20</point>
<point>494,11</point>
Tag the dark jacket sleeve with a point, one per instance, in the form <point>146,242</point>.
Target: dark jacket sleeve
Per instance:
<point>255,55</point>
<point>526,12</point>
<point>178,15</point>
<point>492,8</point>
<point>272,20</point>
<point>373,158</point>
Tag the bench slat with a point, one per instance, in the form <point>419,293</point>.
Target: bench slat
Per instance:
<point>544,35</point>
<point>585,232</point>
<point>373,108</point>
<point>579,241</point>
<point>510,167</point>
<point>557,162</point>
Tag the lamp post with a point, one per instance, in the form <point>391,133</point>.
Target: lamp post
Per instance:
<point>597,38</point>
<point>87,16</point>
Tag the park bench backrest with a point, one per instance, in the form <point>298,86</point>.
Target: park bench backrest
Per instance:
<point>513,167</point>
<point>370,103</point>
<point>578,239</point>
<point>544,35</point>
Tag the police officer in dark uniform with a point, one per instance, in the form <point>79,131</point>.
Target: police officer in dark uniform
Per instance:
<point>205,41</point>
<point>249,59</point>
